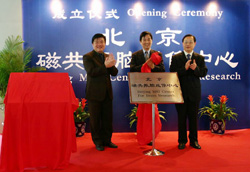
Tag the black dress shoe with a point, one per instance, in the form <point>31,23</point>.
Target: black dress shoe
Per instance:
<point>111,145</point>
<point>195,145</point>
<point>181,146</point>
<point>99,147</point>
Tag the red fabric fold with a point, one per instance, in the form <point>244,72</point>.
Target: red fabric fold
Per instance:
<point>144,123</point>
<point>144,112</point>
<point>39,129</point>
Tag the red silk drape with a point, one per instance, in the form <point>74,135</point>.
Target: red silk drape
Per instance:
<point>144,112</point>
<point>39,129</point>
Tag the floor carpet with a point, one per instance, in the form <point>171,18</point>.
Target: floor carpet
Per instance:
<point>229,152</point>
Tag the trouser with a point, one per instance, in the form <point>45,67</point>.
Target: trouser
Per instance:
<point>101,118</point>
<point>188,110</point>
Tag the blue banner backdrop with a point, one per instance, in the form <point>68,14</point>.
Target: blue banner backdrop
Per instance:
<point>60,34</point>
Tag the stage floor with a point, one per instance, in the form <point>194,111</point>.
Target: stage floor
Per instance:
<point>229,152</point>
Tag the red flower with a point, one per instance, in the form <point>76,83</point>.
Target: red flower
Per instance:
<point>223,99</point>
<point>83,102</point>
<point>210,98</point>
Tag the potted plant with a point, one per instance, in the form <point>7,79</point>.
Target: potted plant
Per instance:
<point>218,113</point>
<point>80,115</point>
<point>13,58</point>
<point>133,118</point>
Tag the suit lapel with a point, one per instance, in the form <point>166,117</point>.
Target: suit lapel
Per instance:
<point>141,55</point>
<point>183,57</point>
<point>151,52</point>
<point>97,58</point>
<point>194,56</point>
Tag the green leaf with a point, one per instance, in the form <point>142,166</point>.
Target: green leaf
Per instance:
<point>218,111</point>
<point>13,58</point>
<point>133,118</point>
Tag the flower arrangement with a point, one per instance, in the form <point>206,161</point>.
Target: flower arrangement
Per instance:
<point>218,111</point>
<point>81,114</point>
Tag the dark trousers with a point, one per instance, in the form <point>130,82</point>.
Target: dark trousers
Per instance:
<point>187,111</point>
<point>101,118</point>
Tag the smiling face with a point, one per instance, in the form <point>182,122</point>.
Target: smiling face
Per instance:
<point>146,42</point>
<point>99,45</point>
<point>188,44</point>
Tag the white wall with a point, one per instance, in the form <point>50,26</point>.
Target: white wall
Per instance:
<point>10,24</point>
<point>10,19</point>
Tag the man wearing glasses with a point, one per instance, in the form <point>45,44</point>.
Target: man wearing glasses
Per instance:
<point>190,66</point>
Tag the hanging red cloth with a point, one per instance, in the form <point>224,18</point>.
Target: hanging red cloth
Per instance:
<point>144,112</point>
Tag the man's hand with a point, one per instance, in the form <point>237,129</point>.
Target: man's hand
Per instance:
<point>187,65</point>
<point>110,61</point>
<point>193,65</point>
<point>150,63</point>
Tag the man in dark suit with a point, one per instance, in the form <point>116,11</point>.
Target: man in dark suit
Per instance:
<point>142,56</point>
<point>99,66</point>
<point>190,66</point>
<point>139,58</point>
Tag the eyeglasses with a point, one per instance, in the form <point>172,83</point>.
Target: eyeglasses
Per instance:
<point>99,42</point>
<point>188,42</point>
<point>144,40</point>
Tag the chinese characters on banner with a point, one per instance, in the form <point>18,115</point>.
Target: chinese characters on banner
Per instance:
<point>123,58</point>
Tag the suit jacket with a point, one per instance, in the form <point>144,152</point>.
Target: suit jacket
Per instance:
<point>98,77</point>
<point>138,60</point>
<point>189,79</point>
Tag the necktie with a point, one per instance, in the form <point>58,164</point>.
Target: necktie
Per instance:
<point>188,56</point>
<point>101,57</point>
<point>146,55</point>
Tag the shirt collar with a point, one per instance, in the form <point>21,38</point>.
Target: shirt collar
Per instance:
<point>99,53</point>
<point>188,53</point>
<point>145,51</point>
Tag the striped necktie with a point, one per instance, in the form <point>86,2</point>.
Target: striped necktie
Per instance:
<point>146,55</point>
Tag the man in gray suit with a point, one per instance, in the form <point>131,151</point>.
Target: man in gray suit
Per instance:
<point>190,66</point>
<point>99,66</point>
